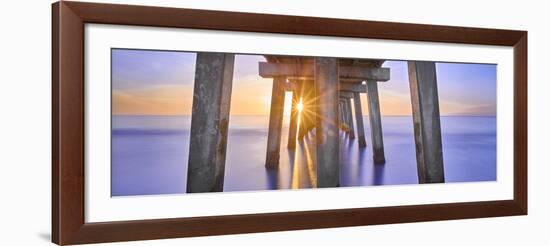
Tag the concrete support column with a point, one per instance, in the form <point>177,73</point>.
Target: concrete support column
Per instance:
<point>427,128</point>
<point>375,120</point>
<point>359,120</point>
<point>349,113</point>
<point>275,122</point>
<point>292,127</point>
<point>209,122</point>
<point>326,79</point>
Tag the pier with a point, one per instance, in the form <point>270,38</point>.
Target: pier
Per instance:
<point>326,101</point>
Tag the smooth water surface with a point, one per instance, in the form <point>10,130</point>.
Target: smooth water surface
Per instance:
<point>150,155</point>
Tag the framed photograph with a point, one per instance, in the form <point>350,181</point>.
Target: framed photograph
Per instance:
<point>175,122</point>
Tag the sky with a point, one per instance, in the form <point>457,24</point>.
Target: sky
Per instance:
<point>161,83</point>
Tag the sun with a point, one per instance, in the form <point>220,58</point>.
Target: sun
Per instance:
<point>300,106</point>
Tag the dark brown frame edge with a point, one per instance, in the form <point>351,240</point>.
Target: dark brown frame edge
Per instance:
<point>68,19</point>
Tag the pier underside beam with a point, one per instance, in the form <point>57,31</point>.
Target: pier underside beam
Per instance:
<point>306,71</point>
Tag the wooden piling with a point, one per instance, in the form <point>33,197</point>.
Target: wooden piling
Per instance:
<point>427,128</point>
<point>275,122</point>
<point>326,79</point>
<point>359,120</point>
<point>209,122</point>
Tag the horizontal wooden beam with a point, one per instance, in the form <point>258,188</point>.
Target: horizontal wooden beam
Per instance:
<point>299,71</point>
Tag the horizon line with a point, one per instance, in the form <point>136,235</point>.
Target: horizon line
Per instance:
<point>388,115</point>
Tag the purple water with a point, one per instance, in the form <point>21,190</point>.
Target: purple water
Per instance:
<point>150,154</point>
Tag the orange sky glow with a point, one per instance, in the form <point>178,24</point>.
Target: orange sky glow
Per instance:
<point>251,94</point>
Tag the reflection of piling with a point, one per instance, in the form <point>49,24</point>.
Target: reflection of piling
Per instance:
<point>209,123</point>
<point>427,128</point>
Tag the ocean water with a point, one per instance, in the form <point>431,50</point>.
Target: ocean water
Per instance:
<point>150,155</point>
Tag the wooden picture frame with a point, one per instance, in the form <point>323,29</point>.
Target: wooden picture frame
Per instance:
<point>68,122</point>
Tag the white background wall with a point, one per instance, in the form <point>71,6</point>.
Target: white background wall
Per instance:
<point>25,141</point>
